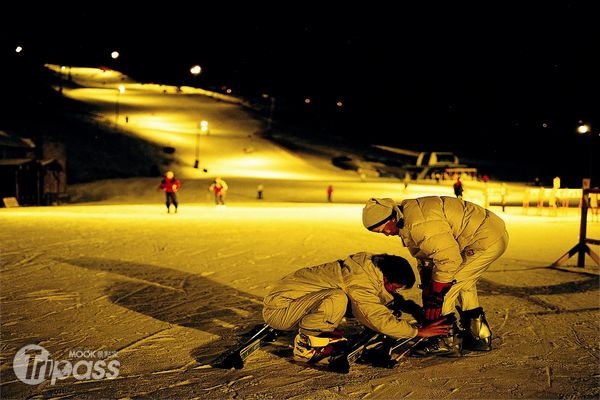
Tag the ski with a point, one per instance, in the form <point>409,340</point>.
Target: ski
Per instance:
<point>389,352</point>
<point>374,348</point>
<point>341,362</point>
<point>236,356</point>
<point>369,346</point>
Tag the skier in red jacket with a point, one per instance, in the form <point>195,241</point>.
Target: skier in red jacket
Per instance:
<point>170,185</point>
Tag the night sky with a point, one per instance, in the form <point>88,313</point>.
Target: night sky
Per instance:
<point>482,81</point>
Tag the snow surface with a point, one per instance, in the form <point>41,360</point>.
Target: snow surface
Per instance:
<point>114,272</point>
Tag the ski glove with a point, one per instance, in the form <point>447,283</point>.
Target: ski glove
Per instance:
<point>401,305</point>
<point>433,298</point>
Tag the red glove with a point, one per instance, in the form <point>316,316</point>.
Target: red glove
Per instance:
<point>433,299</point>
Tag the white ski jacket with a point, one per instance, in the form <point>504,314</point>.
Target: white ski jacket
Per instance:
<point>362,282</point>
<point>445,229</point>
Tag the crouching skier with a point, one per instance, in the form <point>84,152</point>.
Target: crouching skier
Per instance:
<point>314,301</point>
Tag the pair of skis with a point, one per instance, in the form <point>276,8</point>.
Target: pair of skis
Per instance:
<point>377,349</point>
<point>372,348</point>
<point>367,347</point>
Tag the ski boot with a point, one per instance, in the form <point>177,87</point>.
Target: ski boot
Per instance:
<point>317,349</point>
<point>449,345</point>
<point>477,332</point>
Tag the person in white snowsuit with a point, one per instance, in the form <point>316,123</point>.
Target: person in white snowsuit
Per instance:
<point>454,242</point>
<point>219,187</point>
<point>315,300</point>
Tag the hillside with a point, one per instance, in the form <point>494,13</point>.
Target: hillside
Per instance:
<point>98,149</point>
<point>95,150</point>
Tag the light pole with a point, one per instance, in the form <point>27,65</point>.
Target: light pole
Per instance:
<point>586,129</point>
<point>203,127</point>
<point>120,89</point>
<point>115,56</point>
<point>196,70</point>
<point>271,111</point>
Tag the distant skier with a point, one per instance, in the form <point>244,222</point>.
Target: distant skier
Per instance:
<point>458,188</point>
<point>219,187</point>
<point>170,185</point>
<point>259,191</point>
<point>406,180</point>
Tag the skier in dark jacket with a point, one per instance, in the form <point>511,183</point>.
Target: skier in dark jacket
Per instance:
<point>458,188</point>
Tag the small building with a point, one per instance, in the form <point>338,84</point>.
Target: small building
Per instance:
<point>15,147</point>
<point>27,178</point>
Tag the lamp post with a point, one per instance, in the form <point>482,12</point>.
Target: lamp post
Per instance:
<point>271,110</point>
<point>115,57</point>
<point>120,89</point>
<point>586,129</point>
<point>196,70</point>
<point>203,127</point>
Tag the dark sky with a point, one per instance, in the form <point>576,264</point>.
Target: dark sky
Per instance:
<point>480,80</point>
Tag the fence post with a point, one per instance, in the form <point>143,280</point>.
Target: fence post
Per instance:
<point>582,248</point>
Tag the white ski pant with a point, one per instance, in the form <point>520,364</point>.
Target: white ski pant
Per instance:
<point>465,288</point>
<point>313,313</point>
